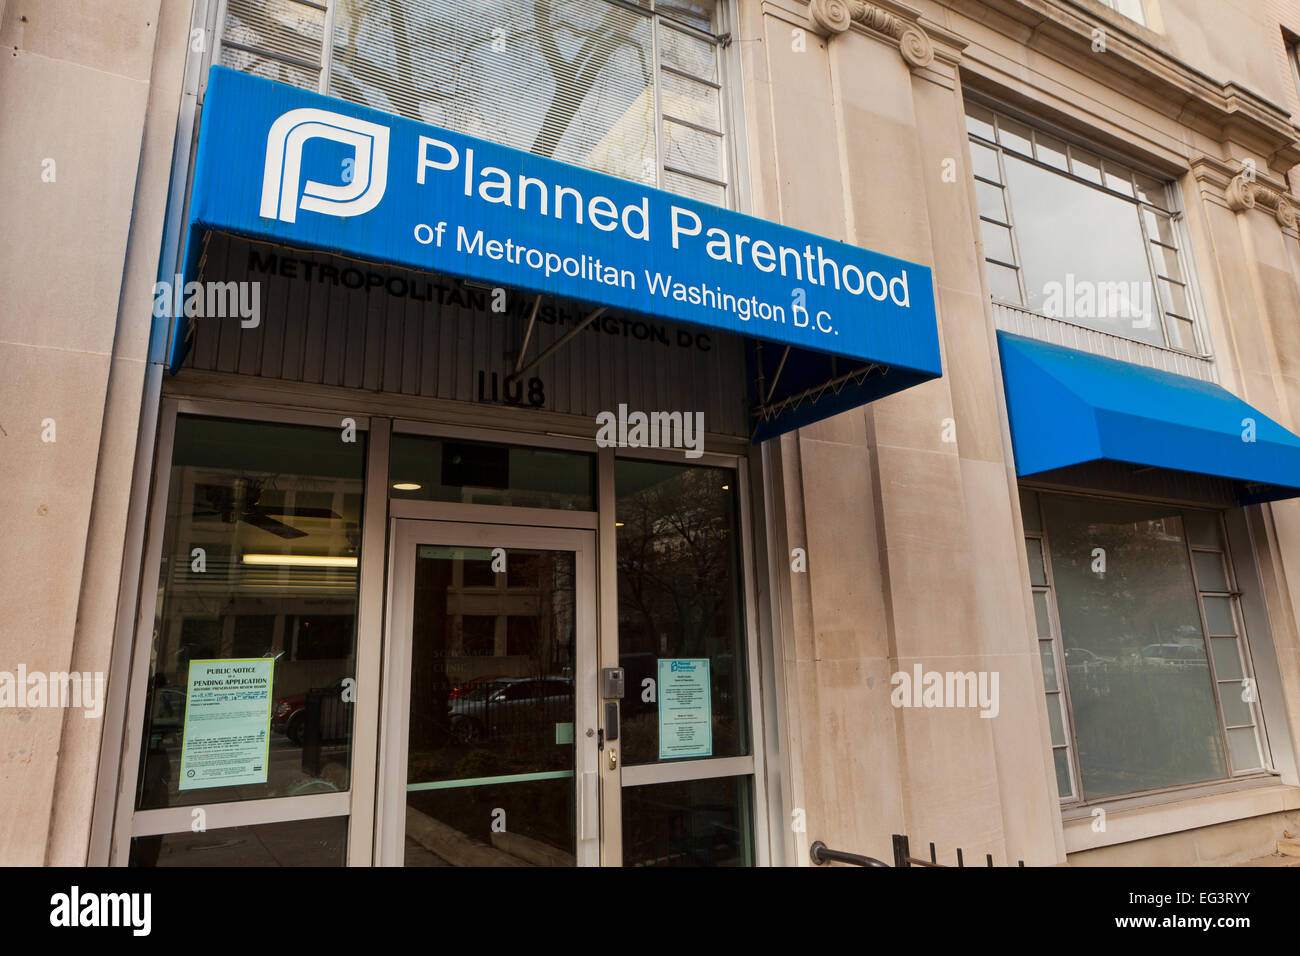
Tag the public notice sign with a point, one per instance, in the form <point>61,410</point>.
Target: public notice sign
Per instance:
<point>685,708</point>
<point>227,723</point>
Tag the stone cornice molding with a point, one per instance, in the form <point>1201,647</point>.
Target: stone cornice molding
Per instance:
<point>832,17</point>
<point>1224,108</point>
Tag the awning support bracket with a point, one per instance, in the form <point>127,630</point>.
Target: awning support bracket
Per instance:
<point>190,327</point>
<point>835,385</point>
<point>556,345</point>
<point>780,367</point>
<point>528,335</point>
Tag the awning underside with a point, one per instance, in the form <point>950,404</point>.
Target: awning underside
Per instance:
<point>1067,408</point>
<point>788,387</point>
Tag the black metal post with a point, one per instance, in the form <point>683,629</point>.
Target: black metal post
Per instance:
<point>901,854</point>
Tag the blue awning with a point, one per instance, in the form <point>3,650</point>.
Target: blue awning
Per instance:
<point>1068,407</point>
<point>828,325</point>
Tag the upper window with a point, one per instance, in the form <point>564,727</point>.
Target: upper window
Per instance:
<point>1078,237</point>
<point>1129,8</point>
<point>630,89</point>
<point>1293,58</point>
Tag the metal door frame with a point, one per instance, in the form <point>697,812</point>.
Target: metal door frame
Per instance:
<point>406,534</point>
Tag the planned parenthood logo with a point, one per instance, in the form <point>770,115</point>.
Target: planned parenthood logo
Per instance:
<point>360,192</point>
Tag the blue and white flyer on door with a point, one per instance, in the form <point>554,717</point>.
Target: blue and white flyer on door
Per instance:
<point>227,722</point>
<point>685,708</point>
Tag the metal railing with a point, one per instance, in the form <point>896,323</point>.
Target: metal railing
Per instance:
<point>821,854</point>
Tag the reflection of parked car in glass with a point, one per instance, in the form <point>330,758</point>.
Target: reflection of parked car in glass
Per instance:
<point>466,688</point>
<point>511,706</point>
<point>1174,655</point>
<point>289,715</point>
<point>1082,657</point>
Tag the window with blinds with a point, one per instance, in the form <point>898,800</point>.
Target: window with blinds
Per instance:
<point>633,89</point>
<point>281,40</point>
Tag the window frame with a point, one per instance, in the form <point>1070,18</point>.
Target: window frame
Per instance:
<point>1114,7</point>
<point>130,822</point>
<point>1266,768</point>
<point>763,802</point>
<point>754,764</point>
<point>671,770</point>
<point>1108,164</point>
<point>1292,44</point>
<point>1062,691</point>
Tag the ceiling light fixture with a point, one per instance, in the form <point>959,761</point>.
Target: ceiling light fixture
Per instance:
<point>301,560</point>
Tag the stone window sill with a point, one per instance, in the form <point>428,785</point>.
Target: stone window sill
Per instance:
<point>1124,825</point>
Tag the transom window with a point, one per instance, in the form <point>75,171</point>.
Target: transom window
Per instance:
<point>1078,237</point>
<point>630,89</point>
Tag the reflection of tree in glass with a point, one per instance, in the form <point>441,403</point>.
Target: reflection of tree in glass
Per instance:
<point>1144,596</point>
<point>569,72</point>
<point>674,555</point>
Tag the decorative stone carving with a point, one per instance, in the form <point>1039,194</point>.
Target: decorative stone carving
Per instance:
<point>1285,213</point>
<point>833,17</point>
<point>1240,193</point>
<point>1245,193</point>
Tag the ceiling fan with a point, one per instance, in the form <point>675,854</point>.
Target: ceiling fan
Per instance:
<point>239,502</point>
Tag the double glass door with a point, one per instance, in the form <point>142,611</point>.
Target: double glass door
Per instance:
<point>490,740</point>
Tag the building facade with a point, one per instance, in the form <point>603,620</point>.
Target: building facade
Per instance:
<point>376,570</point>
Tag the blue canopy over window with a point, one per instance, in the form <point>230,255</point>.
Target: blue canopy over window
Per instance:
<point>1068,407</point>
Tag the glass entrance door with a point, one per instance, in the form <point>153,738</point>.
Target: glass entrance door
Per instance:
<point>490,715</point>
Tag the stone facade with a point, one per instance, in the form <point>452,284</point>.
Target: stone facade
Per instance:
<point>934,568</point>
<point>853,115</point>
